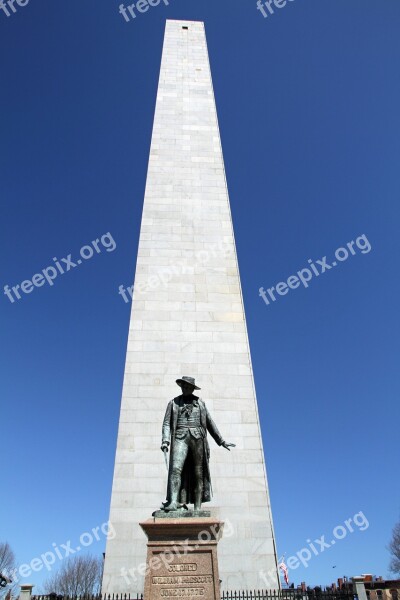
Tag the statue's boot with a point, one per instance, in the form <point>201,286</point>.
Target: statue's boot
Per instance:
<point>175,485</point>
<point>172,506</point>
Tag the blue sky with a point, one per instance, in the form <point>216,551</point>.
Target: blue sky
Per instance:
<point>308,108</point>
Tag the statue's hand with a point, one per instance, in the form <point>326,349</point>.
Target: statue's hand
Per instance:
<point>228,446</point>
<point>164,446</point>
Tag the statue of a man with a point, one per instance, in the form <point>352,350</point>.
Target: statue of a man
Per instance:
<point>185,427</point>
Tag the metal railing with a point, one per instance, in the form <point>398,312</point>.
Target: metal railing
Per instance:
<point>284,594</point>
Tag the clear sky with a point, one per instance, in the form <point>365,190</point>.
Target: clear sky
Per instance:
<point>308,101</point>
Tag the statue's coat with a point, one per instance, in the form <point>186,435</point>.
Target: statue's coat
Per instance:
<point>186,494</point>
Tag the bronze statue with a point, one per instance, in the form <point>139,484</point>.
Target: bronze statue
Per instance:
<point>185,427</point>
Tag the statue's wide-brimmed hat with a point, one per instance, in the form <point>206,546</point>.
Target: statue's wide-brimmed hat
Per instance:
<point>189,380</point>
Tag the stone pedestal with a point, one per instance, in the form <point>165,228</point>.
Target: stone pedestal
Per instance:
<point>359,585</point>
<point>26,591</point>
<point>182,558</point>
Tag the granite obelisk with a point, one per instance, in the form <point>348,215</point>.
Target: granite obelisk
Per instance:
<point>188,319</point>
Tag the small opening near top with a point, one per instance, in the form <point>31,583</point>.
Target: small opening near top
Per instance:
<point>185,27</point>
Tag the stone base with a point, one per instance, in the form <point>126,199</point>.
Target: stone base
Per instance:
<point>182,558</point>
<point>181,513</point>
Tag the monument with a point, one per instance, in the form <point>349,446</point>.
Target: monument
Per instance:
<point>188,318</point>
<point>181,553</point>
